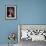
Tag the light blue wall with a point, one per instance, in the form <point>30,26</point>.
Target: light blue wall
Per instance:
<point>28,12</point>
<point>33,12</point>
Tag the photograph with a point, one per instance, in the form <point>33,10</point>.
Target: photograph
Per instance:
<point>10,12</point>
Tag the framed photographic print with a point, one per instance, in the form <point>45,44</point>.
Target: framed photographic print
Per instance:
<point>10,11</point>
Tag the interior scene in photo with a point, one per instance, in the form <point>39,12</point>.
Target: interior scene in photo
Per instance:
<point>10,12</point>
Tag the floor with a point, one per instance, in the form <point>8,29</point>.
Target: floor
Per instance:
<point>9,45</point>
<point>30,43</point>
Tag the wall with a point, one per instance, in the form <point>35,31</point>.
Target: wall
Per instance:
<point>7,26</point>
<point>28,12</point>
<point>33,12</point>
